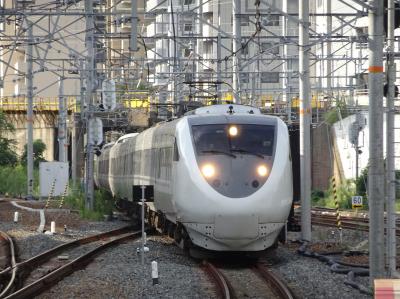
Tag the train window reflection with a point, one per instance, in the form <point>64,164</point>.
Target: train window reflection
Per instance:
<point>253,139</point>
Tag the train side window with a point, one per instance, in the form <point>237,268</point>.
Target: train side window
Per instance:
<point>176,151</point>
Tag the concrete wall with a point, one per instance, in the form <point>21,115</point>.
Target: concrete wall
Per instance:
<point>322,157</point>
<point>346,150</point>
<point>43,128</point>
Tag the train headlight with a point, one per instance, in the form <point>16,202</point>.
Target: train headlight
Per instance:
<point>208,170</point>
<point>233,131</point>
<point>262,170</point>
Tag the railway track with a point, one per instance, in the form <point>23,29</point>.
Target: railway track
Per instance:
<point>41,272</point>
<point>327,217</point>
<point>253,281</point>
<point>7,261</point>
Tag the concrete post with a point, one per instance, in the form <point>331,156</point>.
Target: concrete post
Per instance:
<point>390,147</point>
<point>287,63</point>
<point>305,120</point>
<point>376,170</point>
<point>134,20</point>
<point>29,116</point>
<point>236,48</point>
<point>329,48</point>
<point>199,45</point>
<point>62,124</point>
<point>90,70</point>
<point>219,46</point>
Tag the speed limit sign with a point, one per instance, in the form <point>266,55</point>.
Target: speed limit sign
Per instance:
<point>356,202</point>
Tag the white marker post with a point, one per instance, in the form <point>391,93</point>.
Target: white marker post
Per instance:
<point>143,233</point>
<point>16,214</point>
<point>154,272</point>
<point>53,227</point>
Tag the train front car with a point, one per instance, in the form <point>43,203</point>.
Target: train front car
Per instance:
<point>238,195</point>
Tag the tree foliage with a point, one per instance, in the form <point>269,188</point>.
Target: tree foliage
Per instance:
<point>38,149</point>
<point>7,146</point>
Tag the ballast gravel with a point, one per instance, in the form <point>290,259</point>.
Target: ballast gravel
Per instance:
<point>118,273</point>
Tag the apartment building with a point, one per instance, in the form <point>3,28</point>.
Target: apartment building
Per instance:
<point>192,40</point>
<point>341,63</point>
<point>59,43</point>
<point>123,65</point>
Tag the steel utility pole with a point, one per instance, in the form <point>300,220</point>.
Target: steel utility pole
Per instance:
<point>219,46</point>
<point>376,173</point>
<point>305,120</point>
<point>199,44</point>
<point>236,48</point>
<point>62,123</point>
<point>287,63</point>
<point>329,49</point>
<point>390,149</point>
<point>134,20</point>
<point>90,71</point>
<point>29,112</point>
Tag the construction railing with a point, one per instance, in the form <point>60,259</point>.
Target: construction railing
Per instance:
<point>39,103</point>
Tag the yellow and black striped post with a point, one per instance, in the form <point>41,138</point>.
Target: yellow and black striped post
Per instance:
<point>63,196</point>
<point>338,221</point>
<point>53,185</point>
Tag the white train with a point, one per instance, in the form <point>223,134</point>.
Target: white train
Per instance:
<point>221,176</point>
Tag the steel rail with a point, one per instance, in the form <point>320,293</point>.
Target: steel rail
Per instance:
<point>274,281</point>
<point>52,278</point>
<point>13,262</point>
<point>221,281</point>
<point>353,224</point>
<point>43,257</point>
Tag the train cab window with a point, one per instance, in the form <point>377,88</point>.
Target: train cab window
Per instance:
<point>255,138</point>
<point>176,152</point>
<point>247,139</point>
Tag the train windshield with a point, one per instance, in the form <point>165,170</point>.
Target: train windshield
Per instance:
<point>232,139</point>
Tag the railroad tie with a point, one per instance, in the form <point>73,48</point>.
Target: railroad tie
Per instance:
<point>338,221</point>
<point>53,185</point>
<point>63,195</point>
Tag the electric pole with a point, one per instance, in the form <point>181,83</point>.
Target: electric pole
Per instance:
<point>134,20</point>
<point>390,143</point>
<point>29,116</point>
<point>236,49</point>
<point>62,124</point>
<point>376,173</point>
<point>90,72</point>
<point>287,63</point>
<point>329,49</point>
<point>305,120</point>
<point>219,46</point>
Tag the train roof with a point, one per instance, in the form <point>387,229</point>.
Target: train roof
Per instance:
<point>108,145</point>
<point>225,109</point>
<point>127,136</point>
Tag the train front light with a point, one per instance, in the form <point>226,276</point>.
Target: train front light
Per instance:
<point>262,170</point>
<point>233,131</point>
<point>208,170</point>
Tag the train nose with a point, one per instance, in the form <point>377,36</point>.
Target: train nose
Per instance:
<point>236,227</point>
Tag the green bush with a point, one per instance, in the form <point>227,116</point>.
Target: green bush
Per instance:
<point>332,115</point>
<point>344,192</point>
<point>13,181</point>
<point>362,183</point>
<point>103,203</point>
<point>8,157</point>
<point>317,195</point>
<point>38,151</point>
